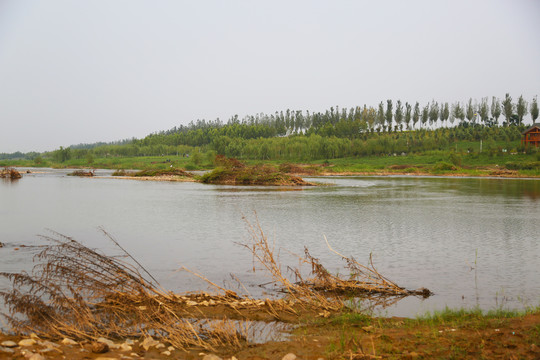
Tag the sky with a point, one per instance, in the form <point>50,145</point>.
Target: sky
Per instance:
<point>86,71</point>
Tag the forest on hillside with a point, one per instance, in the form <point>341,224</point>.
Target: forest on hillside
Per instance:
<point>337,132</point>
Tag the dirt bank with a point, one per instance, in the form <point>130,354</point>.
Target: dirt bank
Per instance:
<point>332,338</point>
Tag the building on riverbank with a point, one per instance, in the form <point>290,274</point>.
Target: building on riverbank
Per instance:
<point>531,136</point>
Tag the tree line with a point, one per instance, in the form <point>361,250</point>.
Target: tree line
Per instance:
<point>302,147</point>
<point>390,127</point>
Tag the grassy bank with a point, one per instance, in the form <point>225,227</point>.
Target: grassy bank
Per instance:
<point>429,163</point>
<point>448,334</point>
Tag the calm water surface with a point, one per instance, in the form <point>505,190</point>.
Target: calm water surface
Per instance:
<point>471,241</point>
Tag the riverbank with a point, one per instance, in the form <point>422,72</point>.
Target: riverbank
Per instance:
<point>433,163</point>
<point>445,335</point>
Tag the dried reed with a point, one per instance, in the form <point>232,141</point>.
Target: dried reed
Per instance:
<point>323,289</point>
<point>74,291</point>
<point>10,173</point>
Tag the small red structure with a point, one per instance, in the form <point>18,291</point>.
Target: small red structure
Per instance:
<point>531,135</point>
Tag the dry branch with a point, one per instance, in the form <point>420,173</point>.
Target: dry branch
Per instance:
<point>74,291</point>
<point>324,289</point>
<point>10,173</point>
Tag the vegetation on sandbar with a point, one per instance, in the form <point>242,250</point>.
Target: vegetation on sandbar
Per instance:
<point>233,172</point>
<point>82,173</point>
<point>10,173</point>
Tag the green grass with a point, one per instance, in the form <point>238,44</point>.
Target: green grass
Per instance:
<point>475,318</point>
<point>430,162</point>
<point>447,317</point>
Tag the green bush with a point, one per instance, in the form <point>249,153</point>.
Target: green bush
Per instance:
<point>214,175</point>
<point>455,159</point>
<point>529,165</point>
<point>444,166</point>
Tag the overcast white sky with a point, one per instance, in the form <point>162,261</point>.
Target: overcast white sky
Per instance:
<point>85,71</point>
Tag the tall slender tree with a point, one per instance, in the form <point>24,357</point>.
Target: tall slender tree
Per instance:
<point>451,115</point>
<point>433,112</point>
<point>425,115</point>
<point>445,112</point>
<point>389,114</point>
<point>458,111</point>
<point>521,108</point>
<point>380,115</point>
<point>398,117</point>
<point>408,110</point>
<point>483,110</point>
<point>496,109</point>
<point>369,115</point>
<point>470,111</point>
<point>416,114</point>
<point>508,108</point>
<point>534,109</point>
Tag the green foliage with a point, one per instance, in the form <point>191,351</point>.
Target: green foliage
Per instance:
<point>444,166</point>
<point>296,136</point>
<point>532,165</point>
<point>90,158</point>
<point>508,108</point>
<point>61,155</point>
<point>38,160</point>
<point>455,159</point>
<point>534,109</point>
<point>521,108</point>
<point>196,158</point>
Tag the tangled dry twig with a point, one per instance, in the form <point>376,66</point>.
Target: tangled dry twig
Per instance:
<point>324,289</point>
<point>77,292</point>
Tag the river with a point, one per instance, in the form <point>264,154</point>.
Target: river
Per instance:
<point>472,241</point>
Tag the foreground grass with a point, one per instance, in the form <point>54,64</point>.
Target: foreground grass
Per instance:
<point>447,334</point>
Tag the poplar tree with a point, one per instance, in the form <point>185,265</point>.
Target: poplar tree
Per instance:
<point>425,114</point>
<point>469,112</point>
<point>458,112</point>
<point>445,112</point>
<point>521,108</point>
<point>416,114</point>
<point>389,114</point>
<point>408,110</point>
<point>380,115</point>
<point>484,110</point>
<point>496,109</point>
<point>534,109</point>
<point>434,112</point>
<point>369,115</point>
<point>508,108</point>
<point>399,114</point>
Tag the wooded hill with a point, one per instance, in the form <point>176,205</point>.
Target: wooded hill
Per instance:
<point>390,128</point>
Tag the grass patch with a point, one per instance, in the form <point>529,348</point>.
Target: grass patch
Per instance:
<point>161,172</point>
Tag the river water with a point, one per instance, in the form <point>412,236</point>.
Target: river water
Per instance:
<point>473,242</point>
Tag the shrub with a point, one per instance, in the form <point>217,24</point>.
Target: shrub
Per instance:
<point>455,159</point>
<point>530,165</point>
<point>444,166</point>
